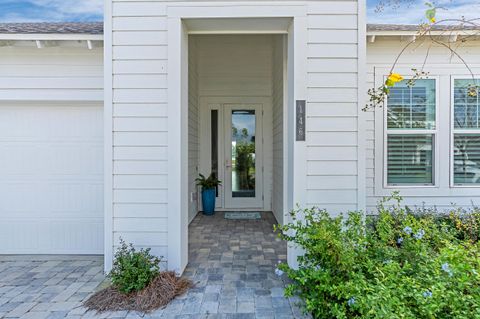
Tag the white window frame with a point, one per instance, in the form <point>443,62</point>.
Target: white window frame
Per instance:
<point>454,131</point>
<point>434,133</point>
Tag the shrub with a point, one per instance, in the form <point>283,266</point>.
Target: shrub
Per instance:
<point>133,270</point>
<point>398,264</point>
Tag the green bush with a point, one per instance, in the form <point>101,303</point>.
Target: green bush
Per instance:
<point>133,270</point>
<point>397,264</point>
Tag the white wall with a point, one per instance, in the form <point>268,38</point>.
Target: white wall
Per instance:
<point>193,127</point>
<point>51,73</point>
<point>327,174</point>
<point>235,65</point>
<point>441,65</point>
<point>277,118</point>
<point>139,96</point>
<point>333,56</point>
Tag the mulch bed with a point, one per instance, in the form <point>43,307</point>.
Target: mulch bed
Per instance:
<point>163,289</point>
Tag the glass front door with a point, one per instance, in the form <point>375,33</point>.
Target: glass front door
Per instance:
<point>243,157</point>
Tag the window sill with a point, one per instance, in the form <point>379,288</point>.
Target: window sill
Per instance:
<point>428,191</point>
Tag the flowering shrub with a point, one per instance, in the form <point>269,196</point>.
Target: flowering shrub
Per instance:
<point>397,264</point>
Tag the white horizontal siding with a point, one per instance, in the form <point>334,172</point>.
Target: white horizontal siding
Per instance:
<point>278,130</point>
<point>139,37</point>
<point>139,53</point>
<point>139,110</point>
<point>140,153</point>
<point>52,73</point>
<point>332,95</point>
<point>137,210</point>
<point>133,67</point>
<point>139,23</point>
<point>140,135</point>
<point>193,129</point>
<point>140,139</point>
<point>249,75</point>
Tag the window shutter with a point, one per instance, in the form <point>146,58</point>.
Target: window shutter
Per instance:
<point>466,158</point>
<point>410,159</point>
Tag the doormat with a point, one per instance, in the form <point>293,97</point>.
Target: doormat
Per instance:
<point>243,215</point>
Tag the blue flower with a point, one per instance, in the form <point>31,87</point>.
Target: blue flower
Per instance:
<point>408,230</point>
<point>351,301</point>
<point>419,234</point>
<point>427,294</point>
<point>446,268</point>
<point>278,272</point>
<point>400,240</point>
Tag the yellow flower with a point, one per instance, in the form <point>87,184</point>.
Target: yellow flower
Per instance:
<point>433,20</point>
<point>395,77</point>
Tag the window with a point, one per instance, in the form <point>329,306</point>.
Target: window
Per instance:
<point>411,134</point>
<point>466,134</point>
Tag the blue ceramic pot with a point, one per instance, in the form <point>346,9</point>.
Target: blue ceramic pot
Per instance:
<point>208,201</point>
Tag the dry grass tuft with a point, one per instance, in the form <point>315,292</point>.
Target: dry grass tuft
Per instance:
<point>163,289</point>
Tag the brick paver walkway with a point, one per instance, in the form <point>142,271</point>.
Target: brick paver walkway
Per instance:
<point>232,264</point>
<point>47,286</point>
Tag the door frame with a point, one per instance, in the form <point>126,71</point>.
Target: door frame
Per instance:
<point>256,202</point>
<point>296,89</point>
<point>207,104</point>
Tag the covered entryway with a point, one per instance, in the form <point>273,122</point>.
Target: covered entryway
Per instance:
<point>51,178</point>
<point>234,65</point>
<point>236,120</point>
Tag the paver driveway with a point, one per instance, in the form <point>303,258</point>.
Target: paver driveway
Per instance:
<point>232,264</point>
<point>47,286</point>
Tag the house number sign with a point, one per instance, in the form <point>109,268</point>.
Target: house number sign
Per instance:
<point>300,121</point>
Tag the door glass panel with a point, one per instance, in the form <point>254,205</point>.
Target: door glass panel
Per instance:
<point>243,153</point>
<point>214,142</point>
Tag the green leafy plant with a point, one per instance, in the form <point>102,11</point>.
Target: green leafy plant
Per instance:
<point>208,183</point>
<point>133,270</point>
<point>399,263</point>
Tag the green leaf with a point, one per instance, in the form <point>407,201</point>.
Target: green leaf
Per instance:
<point>430,14</point>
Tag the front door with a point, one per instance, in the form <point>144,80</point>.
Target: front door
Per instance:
<point>231,147</point>
<point>243,135</point>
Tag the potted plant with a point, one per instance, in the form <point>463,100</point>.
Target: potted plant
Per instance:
<point>209,192</point>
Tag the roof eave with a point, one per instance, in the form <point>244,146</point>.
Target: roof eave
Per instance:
<point>391,33</point>
<point>50,37</point>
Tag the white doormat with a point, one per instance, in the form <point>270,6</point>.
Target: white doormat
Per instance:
<point>243,215</point>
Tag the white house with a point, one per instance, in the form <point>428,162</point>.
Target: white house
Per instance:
<point>103,133</point>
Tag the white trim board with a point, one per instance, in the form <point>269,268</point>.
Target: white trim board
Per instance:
<point>108,137</point>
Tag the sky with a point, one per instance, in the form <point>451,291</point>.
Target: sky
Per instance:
<point>413,11</point>
<point>91,10</point>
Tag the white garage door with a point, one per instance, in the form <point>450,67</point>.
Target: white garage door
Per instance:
<point>51,179</point>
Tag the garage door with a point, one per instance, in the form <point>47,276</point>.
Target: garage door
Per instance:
<point>51,179</point>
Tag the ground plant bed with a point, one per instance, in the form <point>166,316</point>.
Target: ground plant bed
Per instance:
<point>137,283</point>
<point>161,290</point>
